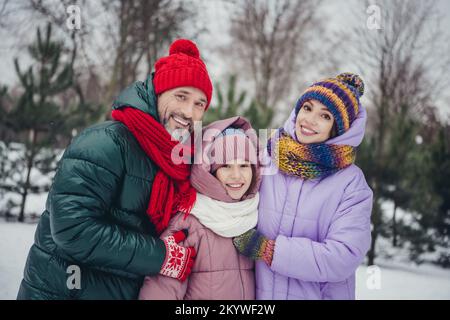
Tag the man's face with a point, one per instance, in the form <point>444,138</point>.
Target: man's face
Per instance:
<point>178,109</point>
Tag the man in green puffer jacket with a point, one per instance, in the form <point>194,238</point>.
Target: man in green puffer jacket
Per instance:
<point>97,237</point>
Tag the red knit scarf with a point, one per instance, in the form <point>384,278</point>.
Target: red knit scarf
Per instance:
<point>171,191</point>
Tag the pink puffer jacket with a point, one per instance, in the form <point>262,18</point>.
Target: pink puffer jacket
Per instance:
<point>219,272</point>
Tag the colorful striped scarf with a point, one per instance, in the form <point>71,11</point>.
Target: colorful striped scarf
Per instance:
<point>308,161</point>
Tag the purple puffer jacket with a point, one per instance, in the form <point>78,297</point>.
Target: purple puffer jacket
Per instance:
<point>321,226</point>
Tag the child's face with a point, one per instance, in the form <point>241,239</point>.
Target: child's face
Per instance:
<point>235,177</point>
<point>314,123</point>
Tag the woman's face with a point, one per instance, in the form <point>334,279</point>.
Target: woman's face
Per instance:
<point>313,123</point>
<point>235,177</point>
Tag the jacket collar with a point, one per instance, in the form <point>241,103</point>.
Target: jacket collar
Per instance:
<point>139,95</point>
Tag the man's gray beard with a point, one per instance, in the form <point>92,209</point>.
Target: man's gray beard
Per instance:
<point>177,134</point>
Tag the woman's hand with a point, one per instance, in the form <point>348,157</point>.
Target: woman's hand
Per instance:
<point>254,245</point>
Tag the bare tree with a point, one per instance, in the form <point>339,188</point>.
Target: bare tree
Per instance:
<point>269,44</point>
<point>118,41</point>
<point>3,11</point>
<point>405,67</point>
<point>26,15</point>
<point>145,29</point>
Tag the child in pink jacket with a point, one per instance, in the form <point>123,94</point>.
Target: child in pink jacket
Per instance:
<point>227,182</point>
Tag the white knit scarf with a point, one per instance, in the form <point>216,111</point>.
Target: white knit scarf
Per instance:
<point>224,218</point>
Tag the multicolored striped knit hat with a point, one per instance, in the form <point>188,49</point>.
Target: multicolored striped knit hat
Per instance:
<point>340,95</point>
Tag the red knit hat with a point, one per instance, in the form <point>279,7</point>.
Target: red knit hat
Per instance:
<point>182,67</point>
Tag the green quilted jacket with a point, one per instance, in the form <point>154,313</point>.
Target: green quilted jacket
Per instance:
<point>94,239</point>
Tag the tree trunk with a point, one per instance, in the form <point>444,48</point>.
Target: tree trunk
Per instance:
<point>394,227</point>
<point>376,222</point>
<point>372,253</point>
<point>26,186</point>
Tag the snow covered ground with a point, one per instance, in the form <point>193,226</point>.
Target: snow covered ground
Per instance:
<point>15,241</point>
<point>386,281</point>
<point>398,281</point>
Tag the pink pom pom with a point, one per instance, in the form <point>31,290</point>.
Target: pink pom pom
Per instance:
<point>184,46</point>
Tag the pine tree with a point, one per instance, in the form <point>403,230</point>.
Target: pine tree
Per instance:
<point>409,171</point>
<point>231,103</point>
<point>408,181</point>
<point>440,173</point>
<point>259,115</point>
<point>39,119</point>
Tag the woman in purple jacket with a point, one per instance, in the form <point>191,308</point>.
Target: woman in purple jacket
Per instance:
<point>314,213</point>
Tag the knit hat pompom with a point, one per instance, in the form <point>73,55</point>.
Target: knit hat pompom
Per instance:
<point>184,46</point>
<point>352,80</point>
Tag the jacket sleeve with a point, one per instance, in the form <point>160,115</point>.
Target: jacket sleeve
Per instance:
<point>338,256</point>
<point>84,188</point>
<point>159,287</point>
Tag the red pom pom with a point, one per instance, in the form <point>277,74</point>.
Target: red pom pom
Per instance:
<point>184,46</point>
